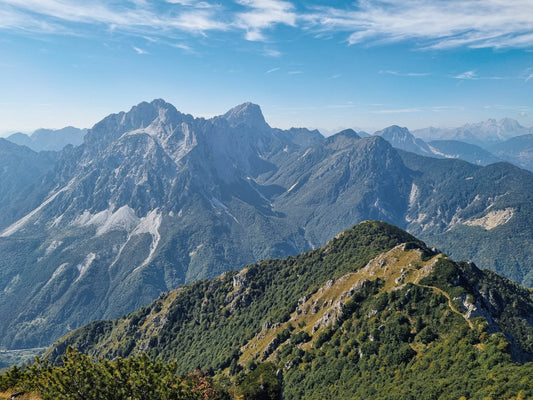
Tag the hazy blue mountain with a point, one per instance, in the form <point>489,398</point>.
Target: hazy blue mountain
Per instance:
<point>20,169</point>
<point>155,198</point>
<point>463,151</point>
<point>517,150</point>
<point>402,139</point>
<point>49,139</point>
<point>482,134</point>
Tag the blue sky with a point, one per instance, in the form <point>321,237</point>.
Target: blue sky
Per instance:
<point>319,64</point>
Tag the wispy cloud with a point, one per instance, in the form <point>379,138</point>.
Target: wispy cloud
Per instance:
<point>429,24</point>
<point>467,75</point>
<point>295,72</point>
<point>433,24</point>
<point>183,47</point>
<point>54,16</point>
<point>272,70</point>
<point>472,75</point>
<point>262,15</point>
<point>271,53</point>
<point>139,50</point>
<point>193,3</point>
<point>396,73</point>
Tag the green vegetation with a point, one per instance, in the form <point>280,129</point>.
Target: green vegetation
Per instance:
<point>18,357</point>
<point>470,193</point>
<point>79,377</point>
<point>206,325</point>
<point>373,314</point>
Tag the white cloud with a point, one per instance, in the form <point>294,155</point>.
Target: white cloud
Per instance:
<point>190,3</point>
<point>54,16</point>
<point>262,15</point>
<point>272,70</point>
<point>183,47</point>
<point>271,53</point>
<point>433,24</point>
<point>181,2</point>
<point>466,75</point>
<point>139,50</point>
<point>197,21</point>
<point>396,73</point>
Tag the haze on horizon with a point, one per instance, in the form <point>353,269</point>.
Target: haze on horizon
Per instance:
<point>365,65</point>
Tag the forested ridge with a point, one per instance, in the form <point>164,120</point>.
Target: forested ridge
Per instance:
<point>372,314</point>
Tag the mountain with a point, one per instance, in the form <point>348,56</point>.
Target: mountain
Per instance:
<point>155,198</point>
<point>483,134</point>
<point>152,199</point>
<point>49,139</point>
<point>463,151</point>
<point>402,139</point>
<point>20,169</point>
<point>517,150</point>
<point>372,314</point>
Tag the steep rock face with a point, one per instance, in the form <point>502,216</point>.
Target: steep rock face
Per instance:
<point>20,169</point>
<point>248,114</point>
<point>153,198</point>
<point>344,179</point>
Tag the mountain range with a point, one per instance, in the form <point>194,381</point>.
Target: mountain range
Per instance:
<point>374,313</point>
<point>154,198</point>
<point>49,139</point>
<point>483,134</point>
<point>487,148</point>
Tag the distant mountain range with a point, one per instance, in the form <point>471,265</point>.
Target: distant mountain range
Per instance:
<point>483,134</point>
<point>374,313</point>
<point>481,144</point>
<point>49,139</point>
<point>517,150</point>
<point>154,198</point>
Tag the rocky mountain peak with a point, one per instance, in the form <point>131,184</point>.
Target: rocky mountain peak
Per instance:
<point>395,133</point>
<point>140,116</point>
<point>401,138</point>
<point>349,133</point>
<point>248,114</point>
<point>341,139</point>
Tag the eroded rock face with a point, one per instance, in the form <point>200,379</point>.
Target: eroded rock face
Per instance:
<point>273,345</point>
